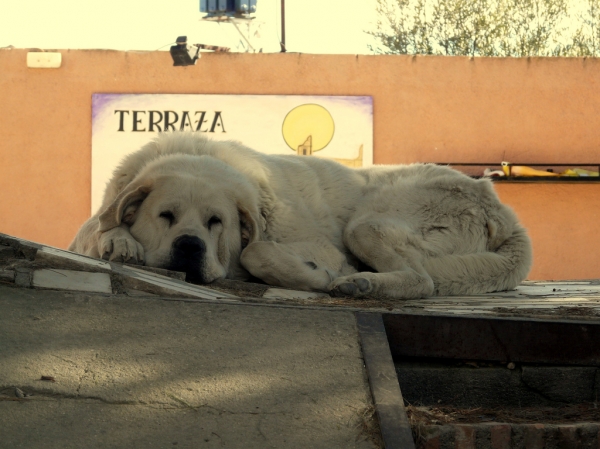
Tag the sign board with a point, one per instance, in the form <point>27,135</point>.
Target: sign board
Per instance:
<point>333,127</point>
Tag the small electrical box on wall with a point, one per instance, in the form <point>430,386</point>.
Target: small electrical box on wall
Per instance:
<point>44,60</point>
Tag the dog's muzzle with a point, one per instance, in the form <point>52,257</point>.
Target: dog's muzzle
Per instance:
<point>188,255</point>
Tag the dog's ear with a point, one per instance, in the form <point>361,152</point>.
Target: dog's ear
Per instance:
<point>249,227</point>
<point>125,206</point>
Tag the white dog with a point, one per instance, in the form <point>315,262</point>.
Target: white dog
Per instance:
<point>221,210</point>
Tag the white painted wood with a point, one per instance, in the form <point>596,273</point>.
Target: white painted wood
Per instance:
<point>175,285</point>
<point>72,280</point>
<point>146,272</point>
<point>76,257</point>
<point>541,296</point>
<point>559,289</point>
<point>559,282</point>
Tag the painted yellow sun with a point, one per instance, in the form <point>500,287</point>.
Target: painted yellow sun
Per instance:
<point>308,120</point>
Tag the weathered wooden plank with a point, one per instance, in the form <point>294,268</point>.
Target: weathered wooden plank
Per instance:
<point>573,302</point>
<point>58,257</point>
<point>389,404</point>
<point>22,248</point>
<point>292,294</point>
<point>155,283</point>
<point>160,271</point>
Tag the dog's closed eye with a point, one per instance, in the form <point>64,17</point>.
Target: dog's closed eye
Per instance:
<point>214,220</point>
<point>168,215</point>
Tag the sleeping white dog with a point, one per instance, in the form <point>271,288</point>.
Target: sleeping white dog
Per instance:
<point>217,209</point>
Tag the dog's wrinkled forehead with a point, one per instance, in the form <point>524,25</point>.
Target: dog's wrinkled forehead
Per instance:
<point>205,175</point>
<point>206,167</point>
<point>182,193</point>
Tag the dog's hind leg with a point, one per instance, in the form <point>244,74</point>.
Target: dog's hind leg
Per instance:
<point>301,265</point>
<point>393,251</point>
<point>405,269</point>
<point>501,269</point>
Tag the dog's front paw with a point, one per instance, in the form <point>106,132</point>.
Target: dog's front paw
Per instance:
<point>118,245</point>
<point>355,285</point>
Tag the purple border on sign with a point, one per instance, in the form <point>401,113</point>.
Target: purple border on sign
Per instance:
<point>100,101</point>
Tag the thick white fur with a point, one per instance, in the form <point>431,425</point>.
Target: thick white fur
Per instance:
<point>385,231</point>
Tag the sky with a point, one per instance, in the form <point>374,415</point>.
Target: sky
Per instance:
<point>312,26</point>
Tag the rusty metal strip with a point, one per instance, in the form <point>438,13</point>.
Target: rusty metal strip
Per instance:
<point>389,405</point>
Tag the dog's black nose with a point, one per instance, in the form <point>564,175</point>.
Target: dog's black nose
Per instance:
<point>189,246</point>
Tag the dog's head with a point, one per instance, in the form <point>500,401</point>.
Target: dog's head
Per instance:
<point>190,213</point>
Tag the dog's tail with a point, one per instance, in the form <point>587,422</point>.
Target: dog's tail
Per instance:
<point>469,274</point>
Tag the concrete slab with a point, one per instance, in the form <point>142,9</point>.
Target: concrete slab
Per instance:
<point>144,372</point>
